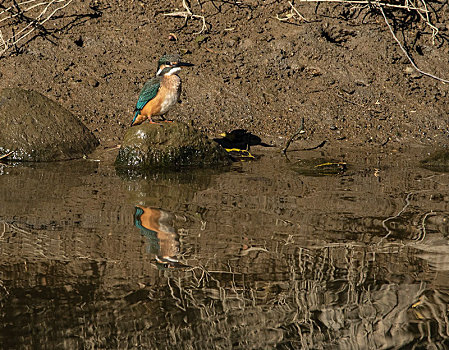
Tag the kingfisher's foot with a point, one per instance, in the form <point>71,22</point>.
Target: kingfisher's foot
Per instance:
<point>166,120</point>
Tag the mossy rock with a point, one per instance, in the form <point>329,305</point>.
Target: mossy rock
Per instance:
<point>35,128</point>
<point>437,161</point>
<point>167,145</point>
<point>319,167</point>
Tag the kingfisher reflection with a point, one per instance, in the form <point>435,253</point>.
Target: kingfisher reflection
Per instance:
<point>163,240</point>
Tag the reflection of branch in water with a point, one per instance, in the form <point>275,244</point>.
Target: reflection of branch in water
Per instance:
<point>435,175</point>
<point>326,292</point>
<point>4,229</point>
<point>389,232</point>
<point>239,289</point>
<point>13,227</point>
<point>244,252</point>
<point>178,301</point>
<point>422,230</point>
<point>420,226</point>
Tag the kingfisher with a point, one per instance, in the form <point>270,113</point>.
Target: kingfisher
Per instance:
<point>157,226</point>
<point>160,94</point>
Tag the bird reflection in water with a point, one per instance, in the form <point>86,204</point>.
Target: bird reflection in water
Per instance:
<point>163,239</point>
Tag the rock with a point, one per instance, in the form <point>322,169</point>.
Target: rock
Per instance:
<point>437,161</point>
<point>36,128</point>
<point>168,145</point>
<point>319,167</point>
<point>169,189</point>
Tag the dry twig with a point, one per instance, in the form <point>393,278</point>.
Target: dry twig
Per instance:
<point>294,136</point>
<point>408,5</point>
<point>293,12</point>
<point>405,51</point>
<point>188,14</point>
<point>36,21</point>
<point>2,42</point>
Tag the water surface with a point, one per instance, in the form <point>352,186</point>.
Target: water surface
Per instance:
<point>260,255</point>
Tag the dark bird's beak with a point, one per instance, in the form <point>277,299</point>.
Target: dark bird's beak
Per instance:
<point>184,64</point>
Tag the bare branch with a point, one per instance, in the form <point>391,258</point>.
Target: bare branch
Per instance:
<point>294,136</point>
<point>188,14</point>
<point>406,6</point>
<point>405,51</point>
<point>293,12</point>
<point>36,21</point>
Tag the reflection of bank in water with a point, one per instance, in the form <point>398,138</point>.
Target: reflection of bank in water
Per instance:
<point>163,240</point>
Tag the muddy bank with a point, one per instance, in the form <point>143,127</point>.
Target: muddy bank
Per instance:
<point>341,70</point>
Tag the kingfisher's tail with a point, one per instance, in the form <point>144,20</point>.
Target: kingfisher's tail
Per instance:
<point>135,116</point>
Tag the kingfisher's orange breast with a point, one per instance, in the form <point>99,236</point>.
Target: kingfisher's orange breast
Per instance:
<point>149,218</point>
<point>156,220</point>
<point>153,106</point>
<point>166,97</point>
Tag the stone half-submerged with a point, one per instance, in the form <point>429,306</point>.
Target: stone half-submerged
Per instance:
<point>438,160</point>
<point>35,128</point>
<point>168,145</point>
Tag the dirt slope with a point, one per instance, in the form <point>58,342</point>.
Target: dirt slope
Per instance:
<point>341,70</point>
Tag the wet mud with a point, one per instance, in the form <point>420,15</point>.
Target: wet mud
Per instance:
<point>341,70</point>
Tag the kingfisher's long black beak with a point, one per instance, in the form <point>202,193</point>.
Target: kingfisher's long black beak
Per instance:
<point>183,64</point>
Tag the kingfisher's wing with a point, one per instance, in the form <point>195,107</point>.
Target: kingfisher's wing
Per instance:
<point>148,92</point>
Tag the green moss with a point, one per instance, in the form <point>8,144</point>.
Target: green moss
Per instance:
<point>319,167</point>
<point>168,146</point>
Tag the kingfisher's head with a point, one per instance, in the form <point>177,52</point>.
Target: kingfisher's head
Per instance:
<point>169,64</point>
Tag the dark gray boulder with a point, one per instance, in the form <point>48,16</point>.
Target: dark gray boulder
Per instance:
<point>35,128</point>
<point>168,146</point>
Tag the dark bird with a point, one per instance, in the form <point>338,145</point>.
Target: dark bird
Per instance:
<point>241,139</point>
<point>160,94</point>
